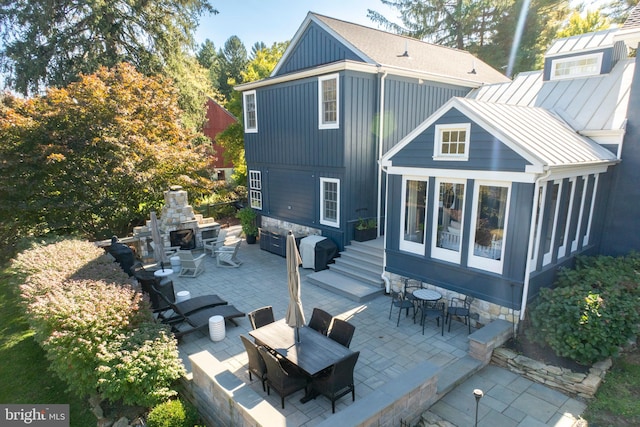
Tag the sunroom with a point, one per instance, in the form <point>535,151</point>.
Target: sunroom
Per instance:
<point>487,200</point>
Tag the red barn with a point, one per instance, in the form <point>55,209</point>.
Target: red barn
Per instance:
<point>218,119</point>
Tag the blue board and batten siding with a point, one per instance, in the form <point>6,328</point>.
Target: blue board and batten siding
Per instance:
<point>315,47</point>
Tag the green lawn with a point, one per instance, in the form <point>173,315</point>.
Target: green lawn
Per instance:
<point>23,371</point>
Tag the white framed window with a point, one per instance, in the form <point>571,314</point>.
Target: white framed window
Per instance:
<point>551,219</point>
<point>452,142</point>
<point>250,111</point>
<point>448,222</point>
<point>576,66</point>
<point>567,213</point>
<point>489,225</point>
<point>414,215</point>
<point>587,232</point>
<point>328,98</point>
<point>582,194</point>
<point>330,202</point>
<point>255,189</point>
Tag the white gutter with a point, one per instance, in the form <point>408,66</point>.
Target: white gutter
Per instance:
<point>387,281</point>
<point>380,153</point>
<point>530,249</point>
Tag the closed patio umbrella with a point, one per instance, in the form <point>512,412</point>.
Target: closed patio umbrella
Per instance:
<point>158,243</point>
<point>295,316</point>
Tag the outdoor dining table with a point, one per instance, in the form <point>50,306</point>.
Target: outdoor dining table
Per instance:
<point>314,353</point>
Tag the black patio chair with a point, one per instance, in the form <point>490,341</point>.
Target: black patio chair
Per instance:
<point>431,309</point>
<point>399,300</point>
<point>261,317</point>
<point>256,362</point>
<point>342,332</point>
<point>461,308</point>
<point>285,381</point>
<point>337,381</point>
<point>320,321</point>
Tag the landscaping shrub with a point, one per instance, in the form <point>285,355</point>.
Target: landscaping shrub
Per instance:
<point>96,329</point>
<point>173,413</point>
<point>592,309</point>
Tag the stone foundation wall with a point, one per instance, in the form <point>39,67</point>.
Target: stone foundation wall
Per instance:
<point>565,380</point>
<point>298,230</point>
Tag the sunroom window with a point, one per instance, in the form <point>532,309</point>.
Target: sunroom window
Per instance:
<point>414,203</point>
<point>489,224</point>
<point>449,216</point>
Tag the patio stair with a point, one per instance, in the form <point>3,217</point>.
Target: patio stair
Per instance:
<point>355,273</point>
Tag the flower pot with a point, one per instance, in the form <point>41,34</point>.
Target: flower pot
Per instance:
<point>364,235</point>
<point>251,239</point>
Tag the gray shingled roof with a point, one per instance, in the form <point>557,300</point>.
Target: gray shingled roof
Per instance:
<point>587,104</point>
<point>633,20</point>
<point>388,49</point>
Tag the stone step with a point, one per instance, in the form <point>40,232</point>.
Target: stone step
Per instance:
<point>349,287</point>
<point>358,271</point>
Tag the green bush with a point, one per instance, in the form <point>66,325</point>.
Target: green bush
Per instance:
<point>592,309</point>
<point>97,331</point>
<point>173,413</point>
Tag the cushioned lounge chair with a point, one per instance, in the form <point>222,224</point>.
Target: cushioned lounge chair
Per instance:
<point>167,300</point>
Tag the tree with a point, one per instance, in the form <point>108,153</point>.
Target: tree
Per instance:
<point>94,157</point>
<point>618,10</point>
<point>579,24</point>
<point>232,139</point>
<point>49,44</point>
<point>257,47</point>
<point>233,60</point>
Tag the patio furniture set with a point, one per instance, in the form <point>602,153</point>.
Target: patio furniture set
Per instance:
<point>317,360</point>
<point>430,305</point>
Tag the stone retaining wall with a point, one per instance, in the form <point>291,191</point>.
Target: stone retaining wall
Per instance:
<point>573,383</point>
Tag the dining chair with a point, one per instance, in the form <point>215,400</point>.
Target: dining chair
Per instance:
<point>256,362</point>
<point>398,300</point>
<point>320,321</point>
<point>261,316</point>
<point>341,332</point>
<point>285,382</point>
<point>460,307</point>
<point>431,309</point>
<point>338,380</point>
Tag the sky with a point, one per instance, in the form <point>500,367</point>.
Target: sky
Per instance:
<point>271,21</point>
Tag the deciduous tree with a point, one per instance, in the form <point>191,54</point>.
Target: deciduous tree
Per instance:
<point>94,157</point>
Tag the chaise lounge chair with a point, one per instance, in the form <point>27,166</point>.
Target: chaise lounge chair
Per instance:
<point>185,324</point>
<point>166,301</point>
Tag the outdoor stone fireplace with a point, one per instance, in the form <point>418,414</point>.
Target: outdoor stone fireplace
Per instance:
<point>176,215</point>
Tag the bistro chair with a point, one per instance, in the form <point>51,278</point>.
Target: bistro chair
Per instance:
<point>433,309</point>
<point>342,332</point>
<point>409,287</point>
<point>284,381</point>
<point>460,307</point>
<point>338,380</point>
<point>398,300</point>
<point>320,321</point>
<point>256,362</point>
<point>261,316</point>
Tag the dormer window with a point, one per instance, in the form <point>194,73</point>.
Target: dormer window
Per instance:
<point>576,66</point>
<point>452,142</point>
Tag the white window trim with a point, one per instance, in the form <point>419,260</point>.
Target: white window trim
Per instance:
<point>437,145</point>
<point>405,245</point>
<point>493,265</point>
<point>562,250</point>
<point>587,233</point>
<point>321,122</point>
<point>247,129</point>
<point>255,191</point>
<point>556,62</point>
<point>443,253</point>
<point>323,220</point>
<point>542,190</point>
<point>578,236</point>
<point>546,258</point>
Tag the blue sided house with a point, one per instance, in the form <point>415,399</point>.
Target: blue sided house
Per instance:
<point>496,190</point>
<point>340,97</point>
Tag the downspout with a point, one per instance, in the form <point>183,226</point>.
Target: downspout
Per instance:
<point>387,282</point>
<point>532,230</point>
<point>380,142</point>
